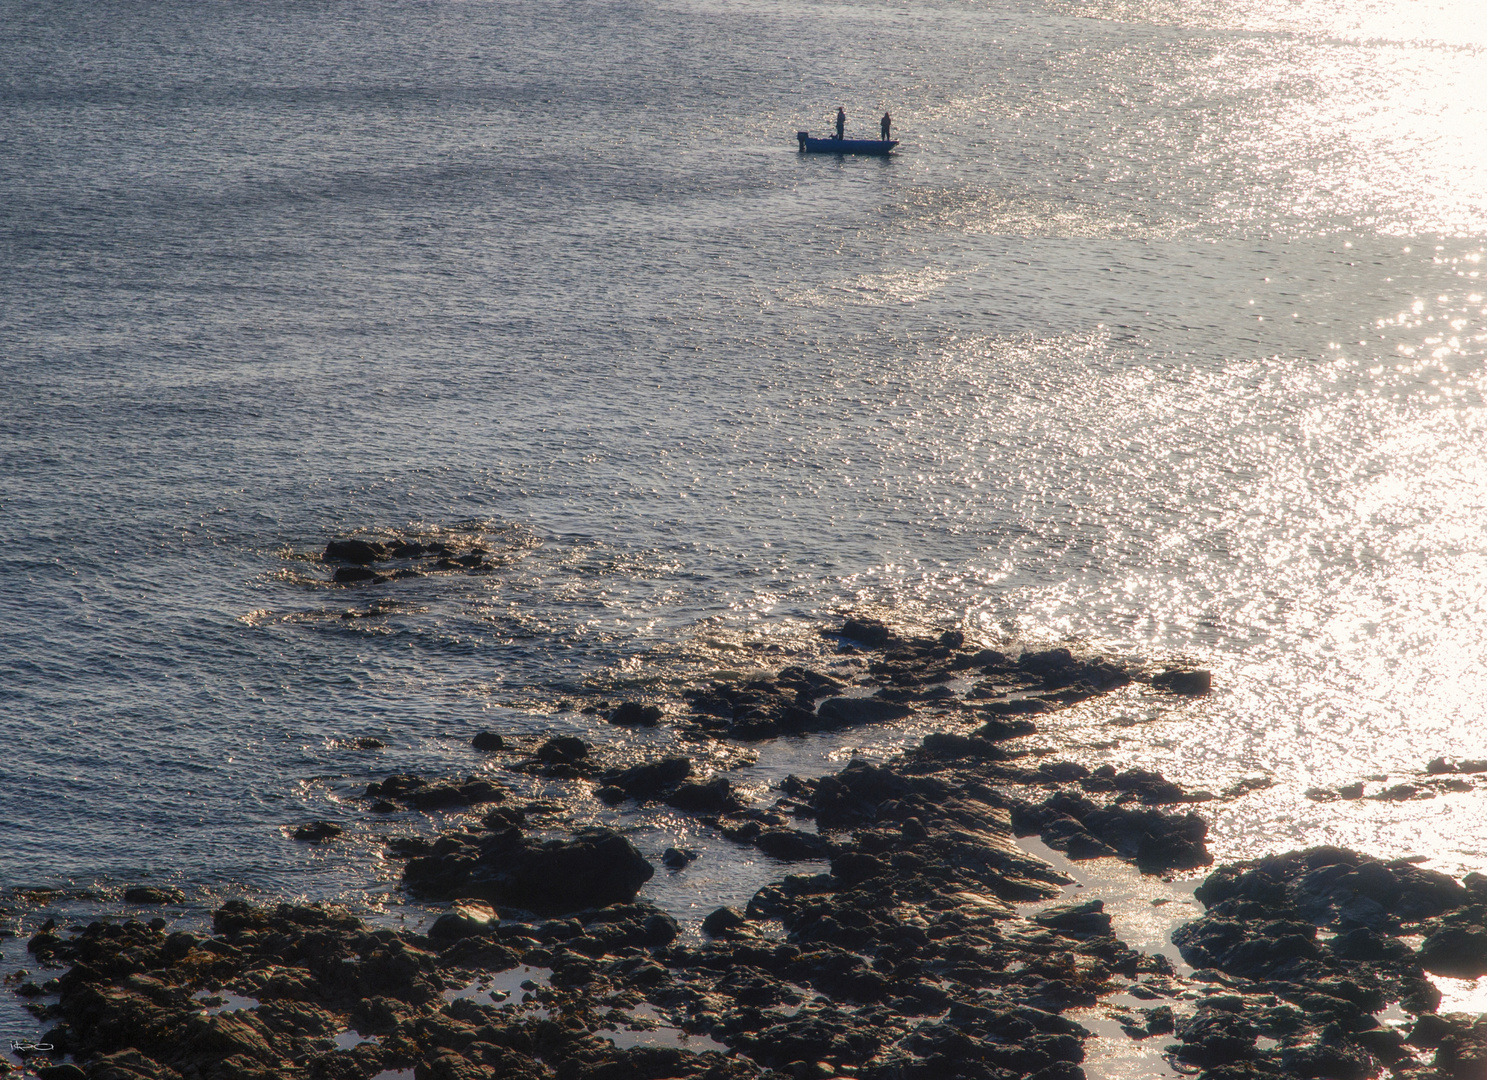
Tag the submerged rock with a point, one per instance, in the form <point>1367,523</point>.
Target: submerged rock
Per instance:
<point>151,894</point>
<point>1157,841</point>
<point>851,712</point>
<point>420,794</point>
<point>636,714</point>
<point>354,550</point>
<point>565,750</point>
<point>714,796</point>
<point>1191,682</point>
<point>317,832</point>
<point>792,845</point>
<point>869,632</point>
<point>1261,928</point>
<point>467,919</point>
<point>651,780</point>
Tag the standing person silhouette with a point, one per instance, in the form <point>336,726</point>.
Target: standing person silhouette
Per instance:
<point>885,125</point>
<point>841,122</point>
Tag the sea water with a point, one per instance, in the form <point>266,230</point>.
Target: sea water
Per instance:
<point>1162,335</point>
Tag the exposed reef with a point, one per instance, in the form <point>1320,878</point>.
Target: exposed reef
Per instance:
<point>374,560</point>
<point>920,942</point>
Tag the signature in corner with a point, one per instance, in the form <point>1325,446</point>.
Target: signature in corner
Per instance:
<point>21,1046</point>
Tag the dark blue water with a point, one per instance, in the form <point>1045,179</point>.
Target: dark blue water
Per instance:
<point>1163,333</point>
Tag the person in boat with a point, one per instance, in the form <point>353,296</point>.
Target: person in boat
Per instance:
<point>841,122</point>
<point>885,125</point>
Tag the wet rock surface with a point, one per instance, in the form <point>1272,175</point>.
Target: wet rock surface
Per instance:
<point>417,793</point>
<point>594,868</point>
<point>376,560</point>
<point>906,935</point>
<point>1310,947</point>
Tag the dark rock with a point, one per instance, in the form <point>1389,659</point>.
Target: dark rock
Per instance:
<point>945,745</point>
<point>983,658</point>
<point>1046,661</point>
<point>1329,1060</point>
<point>1456,951</point>
<point>1174,847</point>
<point>466,920</point>
<point>1062,772</point>
<point>869,632</point>
<point>1019,707</point>
<point>1088,918</point>
<point>997,729</point>
<point>1160,1020</point>
<point>317,832</point>
<point>150,894</point>
<point>715,796</point>
<point>61,1072</point>
<point>722,921</point>
<point>349,575</point>
<point>740,832</point>
<point>472,792</point>
<point>1361,943</point>
<point>488,741</point>
<point>676,858</point>
<point>1158,841</point>
<point>395,787</point>
<point>952,639</point>
<point>596,868</point>
<point>1193,683</point>
<point>851,712</point>
<point>1074,840</point>
<point>792,845</point>
<point>1213,1038</point>
<point>563,750</point>
<point>636,714</point>
<point>651,780</point>
<point>1151,788</point>
<point>853,867</point>
<point>855,794</point>
<point>360,552</point>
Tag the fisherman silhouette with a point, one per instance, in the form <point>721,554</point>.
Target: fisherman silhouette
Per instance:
<point>886,125</point>
<point>841,122</point>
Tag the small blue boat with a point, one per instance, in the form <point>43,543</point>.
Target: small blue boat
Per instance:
<point>808,145</point>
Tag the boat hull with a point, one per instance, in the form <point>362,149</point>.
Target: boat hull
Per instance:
<point>876,147</point>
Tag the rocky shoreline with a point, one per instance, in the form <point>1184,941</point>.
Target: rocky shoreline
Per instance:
<point>920,944</point>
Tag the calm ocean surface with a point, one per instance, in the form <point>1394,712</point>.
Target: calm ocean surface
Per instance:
<point>1163,334</point>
